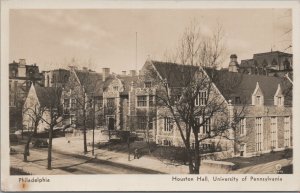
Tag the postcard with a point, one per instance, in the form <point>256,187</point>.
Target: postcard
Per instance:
<point>150,95</point>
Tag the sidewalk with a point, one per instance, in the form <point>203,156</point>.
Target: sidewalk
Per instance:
<point>76,147</point>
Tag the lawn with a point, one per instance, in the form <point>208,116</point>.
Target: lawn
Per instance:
<point>242,162</point>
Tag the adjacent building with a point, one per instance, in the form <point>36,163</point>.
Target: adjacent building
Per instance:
<point>21,77</point>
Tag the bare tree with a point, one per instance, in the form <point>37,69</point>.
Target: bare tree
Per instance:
<point>34,113</point>
<point>48,110</point>
<point>187,96</point>
<point>82,91</point>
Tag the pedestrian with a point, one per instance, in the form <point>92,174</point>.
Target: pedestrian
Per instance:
<point>136,154</point>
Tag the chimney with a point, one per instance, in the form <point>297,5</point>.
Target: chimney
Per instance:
<point>233,64</point>
<point>124,73</point>
<point>105,73</point>
<point>233,58</point>
<point>132,72</point>
<point>22,61</point>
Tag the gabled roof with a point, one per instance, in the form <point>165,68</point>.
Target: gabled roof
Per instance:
<point>241,85</point>
<point>92,81</point>
<point>176,75</point>
<point>230,84</point>
<point>48,96</point>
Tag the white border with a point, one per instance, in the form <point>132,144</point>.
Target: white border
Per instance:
<point>142,182</point>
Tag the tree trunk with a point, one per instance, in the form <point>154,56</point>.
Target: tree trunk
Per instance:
<point>191,164</point>
<point>84,132</point>
<point>197,155</point>
<point>26,148</point>
<point>50,148</point>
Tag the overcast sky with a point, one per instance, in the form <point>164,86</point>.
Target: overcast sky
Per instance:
<point>106,38</point>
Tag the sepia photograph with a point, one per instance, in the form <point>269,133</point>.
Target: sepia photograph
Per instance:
<point>190,94</point>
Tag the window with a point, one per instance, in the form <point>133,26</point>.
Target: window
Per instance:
<point>273,132</point>
<point>242,126</point>
<point>90,103</point>
<point>148,84</point>
<point>110,102</point>
<point>72,119</point>
<point>73,103</point>
<point>150,123</point>
<point>167,142</point>
<point>116,88</point>
<point>201,98</point>
<point>141,101</point>
<point>237,100</point>
<point>259,134</point>
<point>10,84</point>
<point>279,101</point>
<point>206,128</point>
<point>287,130</point>
<point>257,100</point>
<point>14,73</point>
<point>99,102</point>
<point>142,122</point>
<point>151,101</point>
<point>168,126</point>
<point>66,103</point>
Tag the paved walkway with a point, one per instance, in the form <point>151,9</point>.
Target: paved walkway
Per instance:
<point>76,147</point>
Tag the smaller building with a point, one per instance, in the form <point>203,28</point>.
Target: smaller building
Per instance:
<point>38,104</point>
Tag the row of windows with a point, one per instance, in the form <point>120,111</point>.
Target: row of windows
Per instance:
<point>259,137</point>
<point>71,103</point>
<point>205,129</point>
<point>142,101</point>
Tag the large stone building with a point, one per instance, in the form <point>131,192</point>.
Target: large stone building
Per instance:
<point>266,102</point>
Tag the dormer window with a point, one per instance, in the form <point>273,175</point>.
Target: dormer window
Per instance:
<point>278,97</point>
<point>258,100</point>
<point>257,96</point>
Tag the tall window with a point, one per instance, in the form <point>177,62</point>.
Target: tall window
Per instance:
<point>72,119</point>
<point>150,123</point>
<point>73,103</point>
<point>259,134</point>
<point>279,101</point>
<point>151,100</point>
<point>287,132</point>
<point>110,102</point>
<point>168,126</point>
<point>274,132</point>
<point>141,101</point>
<point>242,126</point>
<point>66,103</point>
<point>207,126</point>
<point>142,122</point>
<point>201,98</point>
<point>99,102</point>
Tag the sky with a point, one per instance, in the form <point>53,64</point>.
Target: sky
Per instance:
<point>99,38</point>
